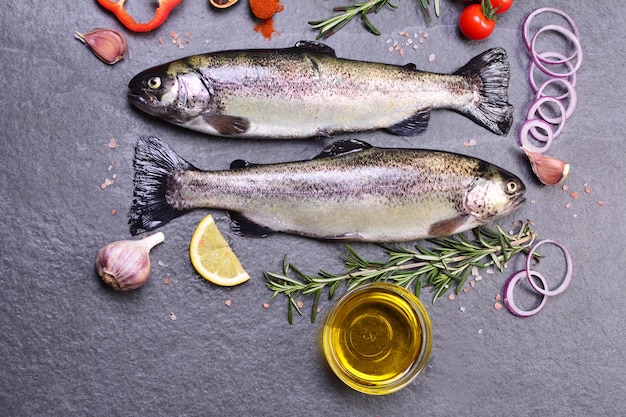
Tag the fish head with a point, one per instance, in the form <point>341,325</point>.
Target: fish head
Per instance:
<point>494,193</point>
<point>171,93</point>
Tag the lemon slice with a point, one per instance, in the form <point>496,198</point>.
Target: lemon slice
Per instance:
<point>213,258</point>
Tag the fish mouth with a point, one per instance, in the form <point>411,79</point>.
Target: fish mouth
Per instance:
<point>142,103</point>
<point>137,99</point>
<point>517,203</point>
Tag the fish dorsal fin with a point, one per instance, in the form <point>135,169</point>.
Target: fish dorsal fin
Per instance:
<point>316,47</point>
<point>343,147</point>
<point>413,125</point>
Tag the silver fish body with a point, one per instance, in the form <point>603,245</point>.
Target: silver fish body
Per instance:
<point>351,191</point>
<point>306,91</point>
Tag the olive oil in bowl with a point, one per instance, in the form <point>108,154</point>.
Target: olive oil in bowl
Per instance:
<point>377,338</point>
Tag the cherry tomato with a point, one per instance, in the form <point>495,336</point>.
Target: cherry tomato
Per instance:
<point>501,6</point>
<point>474,24</point>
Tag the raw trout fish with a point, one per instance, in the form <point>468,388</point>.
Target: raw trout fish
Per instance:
<point>351,191</point>
<point>306,91</point>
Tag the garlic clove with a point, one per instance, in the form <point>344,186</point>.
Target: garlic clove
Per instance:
<point>549,170</point>
<point>107,44</point>
<point>125,264</point>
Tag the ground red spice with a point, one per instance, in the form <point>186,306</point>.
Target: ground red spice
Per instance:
<point>265,10</point>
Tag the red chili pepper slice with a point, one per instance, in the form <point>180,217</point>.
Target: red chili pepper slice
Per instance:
<point>160,14</point>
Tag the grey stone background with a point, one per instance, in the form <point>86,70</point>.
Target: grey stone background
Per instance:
<point>70,346</point>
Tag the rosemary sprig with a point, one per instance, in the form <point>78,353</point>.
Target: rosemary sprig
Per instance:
<point>332,25</point>
<point>445,263</point>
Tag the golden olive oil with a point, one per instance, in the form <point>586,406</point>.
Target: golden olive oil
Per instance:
<point>377,338</point>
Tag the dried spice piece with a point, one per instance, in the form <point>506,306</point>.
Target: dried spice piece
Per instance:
<point>222,4</point>
<point>107,44</point>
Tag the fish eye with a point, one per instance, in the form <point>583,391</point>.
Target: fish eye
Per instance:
<point>511,186</point>
<point>154,82</point>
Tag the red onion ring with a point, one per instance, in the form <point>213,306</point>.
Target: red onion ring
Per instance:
<point>531,16</point>
<point>538,60</point>
<point>535,123</point>
<point>508,294</point>
<point>536,107</point>
<point>549,54</point>
<point>571,93</point>
<point>569,271</point>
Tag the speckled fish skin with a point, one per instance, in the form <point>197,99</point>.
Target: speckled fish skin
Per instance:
<point>351,191</point>
<point>306,91</point>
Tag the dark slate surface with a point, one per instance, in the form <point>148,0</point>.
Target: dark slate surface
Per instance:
<point>70,346</point>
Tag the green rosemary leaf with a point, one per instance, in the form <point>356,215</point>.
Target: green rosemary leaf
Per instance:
<point>290,311</point>
<point>425,251</point>
<point>333,289</point>
<point>314,306</point>
<point>294,303</point>
<point>442,287</point>
<point>418,285</point>
<point>464,276</point>
<point>496,260</point>
<point>369,26</point>
<point>503,245</point>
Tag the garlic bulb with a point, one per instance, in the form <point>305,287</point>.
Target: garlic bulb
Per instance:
<point>125,264</point>
<point>107,44</point>
<point>549,170</point>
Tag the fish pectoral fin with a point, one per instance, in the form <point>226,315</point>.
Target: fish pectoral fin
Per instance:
<point>227,125</point>
<point>413,125</point>
<point>243,226</point>
<point>316,47</point>
<point>447,227</point>
<point>343,147</point>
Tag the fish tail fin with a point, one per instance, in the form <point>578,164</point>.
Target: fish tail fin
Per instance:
<point>154,164</point>
<point>490,71</point>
